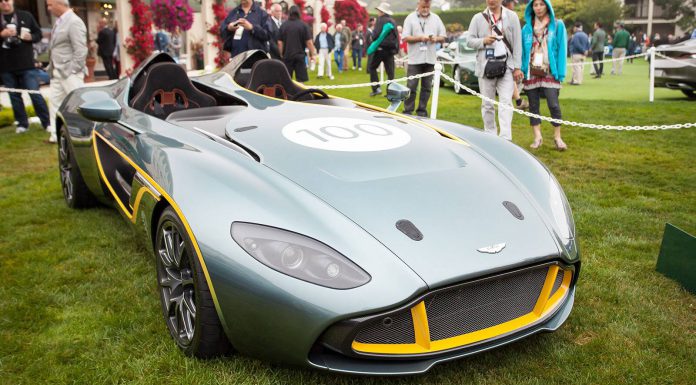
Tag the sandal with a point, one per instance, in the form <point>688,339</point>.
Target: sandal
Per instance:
<point>560,144</point>
<point>537,143</point>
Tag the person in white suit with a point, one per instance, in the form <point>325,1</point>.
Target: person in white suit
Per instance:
<point>67,54</point>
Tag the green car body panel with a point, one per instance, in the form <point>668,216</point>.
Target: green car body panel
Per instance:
<point>451,190</point>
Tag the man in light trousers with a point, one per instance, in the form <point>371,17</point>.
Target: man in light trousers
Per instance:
<point>489,44</point>
<point>324,44</point>
<point>67,54</point>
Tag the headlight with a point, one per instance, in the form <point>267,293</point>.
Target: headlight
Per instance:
<point>561,210</point>
<point>298,256</point>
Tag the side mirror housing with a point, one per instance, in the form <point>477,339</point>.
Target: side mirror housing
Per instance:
<point>396,93</point>
<point>105,110</point>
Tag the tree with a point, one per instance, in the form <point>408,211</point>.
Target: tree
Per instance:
<point>351,11</point>
<point>683,10</point>
<point>588,12</point>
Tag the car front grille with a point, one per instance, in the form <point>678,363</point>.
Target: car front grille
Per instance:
<point>468,313</point>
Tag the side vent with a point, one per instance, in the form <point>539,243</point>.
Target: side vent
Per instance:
<point>408,228</point>
<point>514,210</point>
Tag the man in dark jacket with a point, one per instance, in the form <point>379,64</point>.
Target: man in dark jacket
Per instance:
<point>107,41</point>
<point>273,25</point>
<point>244,28</point>
<point>579,46</point>
<point>324,43</point>
<point>368,40</point>
<point>18,31</point>
<point>387,48</point>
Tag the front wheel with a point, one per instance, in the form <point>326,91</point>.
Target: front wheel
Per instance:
<point>689,94</point>
<point>75,191</point>
<point>187,304</point>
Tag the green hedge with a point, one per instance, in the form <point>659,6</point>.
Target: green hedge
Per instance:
<point>462,16</point>
<point>7,116</point>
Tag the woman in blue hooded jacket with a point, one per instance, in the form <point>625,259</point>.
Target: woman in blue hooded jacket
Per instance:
<point>543,64</point>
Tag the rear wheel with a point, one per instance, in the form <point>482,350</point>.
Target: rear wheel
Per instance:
<point>187,304</point>
<point>457,75</point>
<point>689,93</point>
<point>75,191</point>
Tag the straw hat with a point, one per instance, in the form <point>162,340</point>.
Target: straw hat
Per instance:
<point>385,7</point>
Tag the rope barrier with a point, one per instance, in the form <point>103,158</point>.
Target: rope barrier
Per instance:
<point>566,122</point>
<point>485,98</point>
<point>5,89</point>
<point>359,85</point>
<point>586,63</point>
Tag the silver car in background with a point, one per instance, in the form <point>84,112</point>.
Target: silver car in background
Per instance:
<point>678,72</point>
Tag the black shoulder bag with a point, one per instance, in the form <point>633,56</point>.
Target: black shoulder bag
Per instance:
<point>495,67</point>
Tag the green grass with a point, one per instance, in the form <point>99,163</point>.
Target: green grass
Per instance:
<point>78,299</point>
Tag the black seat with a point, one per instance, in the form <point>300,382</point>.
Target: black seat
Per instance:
<point>270,77</point>
<point>166,88</point>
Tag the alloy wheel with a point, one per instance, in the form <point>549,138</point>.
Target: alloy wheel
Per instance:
<point>65,168</point>
<point>175,276</point>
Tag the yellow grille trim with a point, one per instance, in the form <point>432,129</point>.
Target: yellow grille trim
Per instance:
<point>546,303</point>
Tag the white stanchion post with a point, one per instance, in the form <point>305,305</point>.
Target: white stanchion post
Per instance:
<point>436,90</point>
<point>652,74</point>
<point>381,72</point>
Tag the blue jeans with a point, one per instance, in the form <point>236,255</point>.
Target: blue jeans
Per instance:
<point>338,56</point>
<point>357,58</point>
<point>28,80</point>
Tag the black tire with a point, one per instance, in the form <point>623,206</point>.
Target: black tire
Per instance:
<point>457,75</point>
<point>689,94</point>
<point>75,191</point>
<point>187,305</point>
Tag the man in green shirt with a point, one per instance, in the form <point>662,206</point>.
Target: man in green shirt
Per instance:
<point>599,38</point>
<point>620,43</point>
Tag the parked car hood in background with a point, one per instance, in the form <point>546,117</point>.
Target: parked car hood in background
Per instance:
<point>453,195</point>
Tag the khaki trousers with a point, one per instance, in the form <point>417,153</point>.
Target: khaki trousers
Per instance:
<point>617,66</point>
<point>578,60</point>
<point>60,88</point>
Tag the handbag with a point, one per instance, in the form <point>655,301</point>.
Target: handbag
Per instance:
<point>495,68</point>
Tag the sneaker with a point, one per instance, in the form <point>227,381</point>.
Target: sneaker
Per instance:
<point>353,68</point>
<point>359,68</point>
<point>331,77</point>
<point>53,138</point>
<point>376,92</point>
<point>21,130</point>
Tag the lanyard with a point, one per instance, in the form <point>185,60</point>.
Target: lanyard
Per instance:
<point>422,24</point>
<point>493,21</point>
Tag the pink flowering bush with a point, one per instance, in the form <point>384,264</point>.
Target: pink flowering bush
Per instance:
<point>169,14</point>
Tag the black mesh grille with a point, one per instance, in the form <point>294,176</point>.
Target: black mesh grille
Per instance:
<point>557,282</point>
<point>477,306</point>
<point>394,329</point>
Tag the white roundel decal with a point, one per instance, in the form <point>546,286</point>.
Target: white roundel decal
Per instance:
<point>345,134</point>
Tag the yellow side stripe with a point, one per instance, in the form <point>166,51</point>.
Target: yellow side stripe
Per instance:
<point>166,196</point>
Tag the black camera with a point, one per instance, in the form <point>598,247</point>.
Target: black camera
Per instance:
<point>10,42</point>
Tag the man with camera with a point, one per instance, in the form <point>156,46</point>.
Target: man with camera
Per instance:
<point>244,28</point>
<point>422,30</point>
<point>496,34</point>
<point>18,31</point>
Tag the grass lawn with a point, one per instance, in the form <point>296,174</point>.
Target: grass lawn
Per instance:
<point>79,304</point>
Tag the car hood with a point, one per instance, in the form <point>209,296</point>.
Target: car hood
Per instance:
<point>446,189</point>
